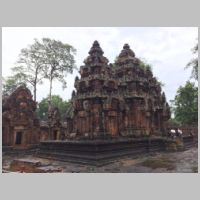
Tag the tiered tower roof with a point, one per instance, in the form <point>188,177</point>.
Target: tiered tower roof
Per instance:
<point>126,55</point>
<point>96,55</point>
<point>119,99</point>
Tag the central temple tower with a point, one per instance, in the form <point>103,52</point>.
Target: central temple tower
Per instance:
<point>120,99</point>
<point>96,100</point>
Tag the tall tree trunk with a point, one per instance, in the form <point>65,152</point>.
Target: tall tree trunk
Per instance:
<point>34,92</point>
<point>35,83</point>
<point>50,89</point>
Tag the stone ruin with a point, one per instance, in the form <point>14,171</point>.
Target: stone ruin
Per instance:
<point>53,128</point>
<point>120,99</point>
<point>111,100</point>
<point>117,109</point>
<point>20,127</point>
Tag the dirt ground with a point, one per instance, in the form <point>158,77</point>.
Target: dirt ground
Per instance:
<point>174,162</point>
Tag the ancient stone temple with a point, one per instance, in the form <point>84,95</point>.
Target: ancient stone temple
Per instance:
<point>117,110</point>
<point>120,99</point>
<point>52,129</point>
<point>96,101</point>
<point>146,110</point>
<point>20,126</point>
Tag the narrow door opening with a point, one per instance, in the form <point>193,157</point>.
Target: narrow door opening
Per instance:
<point>55,135</point>
<point>18,138</point>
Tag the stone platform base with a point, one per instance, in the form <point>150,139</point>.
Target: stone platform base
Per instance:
<point>14,150</point>
<point>190,141</point>
<point>100,152</point>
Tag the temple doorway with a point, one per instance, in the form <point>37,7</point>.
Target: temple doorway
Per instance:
<point>18,139</point>
<point>113,126</point>
<point>55,135</point>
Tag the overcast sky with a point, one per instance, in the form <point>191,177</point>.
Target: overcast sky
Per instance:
<point>168,50</point>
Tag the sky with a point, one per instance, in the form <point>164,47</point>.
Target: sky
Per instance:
<point>167,49</point>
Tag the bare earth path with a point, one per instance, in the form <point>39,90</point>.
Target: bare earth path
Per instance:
<point>175,162</point>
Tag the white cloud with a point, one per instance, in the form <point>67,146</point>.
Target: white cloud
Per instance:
<point>167,49</point>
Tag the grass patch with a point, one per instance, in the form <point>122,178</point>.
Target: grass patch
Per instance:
<point>195,169</point>
<point>159,163</point>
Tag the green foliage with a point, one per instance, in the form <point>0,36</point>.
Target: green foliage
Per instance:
<point>145,65</point>
<point>11,83</point>
<point>194,63</point>
<point>185,105</point>
<point>195,169</point>
<point>173,122</point>
<point>57,101</point>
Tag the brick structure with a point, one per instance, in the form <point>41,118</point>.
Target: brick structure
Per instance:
<point>20,126</point>
<point>120,99</point>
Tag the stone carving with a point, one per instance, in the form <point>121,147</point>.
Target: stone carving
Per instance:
<point>86,105</point>
<point>126,95</point>
<point>20,124</point>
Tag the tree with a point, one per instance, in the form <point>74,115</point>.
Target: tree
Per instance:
<point>30,64</point>
<point>57,101</point>
<point>194,63</point>
<point>185,105</point>
<point>11,83</point>
<point>59,60</point>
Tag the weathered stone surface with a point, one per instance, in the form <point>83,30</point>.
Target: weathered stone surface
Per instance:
<point>120,99</point>
<point>28,165</point>
<point>117,110</point>
<point>20,126</point>
<point>100,151</point>
<point>182,162</point>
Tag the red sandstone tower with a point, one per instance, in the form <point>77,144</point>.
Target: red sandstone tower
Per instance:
<point>146,108</point>
<point>96,100</point>
<point>20,127</point>
<point>123,99</point>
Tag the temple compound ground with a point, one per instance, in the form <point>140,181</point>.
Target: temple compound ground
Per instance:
<point>173,162</point>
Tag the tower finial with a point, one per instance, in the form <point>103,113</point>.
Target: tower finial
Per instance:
<point>126,46</point>
<point>126,54</point>
<point>96,48</point>
<point>96,44</point>
<point>96,55</point>
<point>126,51</point>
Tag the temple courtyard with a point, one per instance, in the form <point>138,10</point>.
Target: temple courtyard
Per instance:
<point>160,162</point>
<point>116,110</point>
